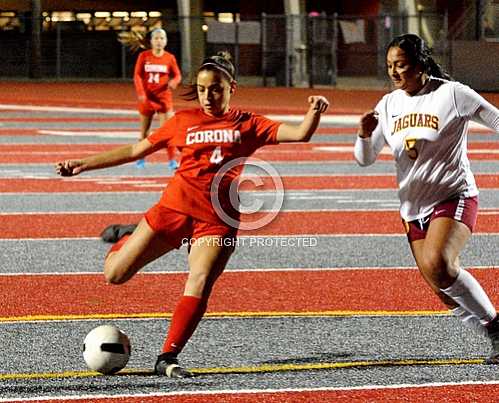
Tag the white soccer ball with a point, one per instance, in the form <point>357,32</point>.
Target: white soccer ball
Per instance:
<point>106,349</point>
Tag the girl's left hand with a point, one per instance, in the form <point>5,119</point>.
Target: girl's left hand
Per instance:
<point>318,103</point>
<point>69,167</point>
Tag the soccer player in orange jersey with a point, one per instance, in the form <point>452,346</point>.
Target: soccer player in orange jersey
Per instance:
<point>209,138</point>
<point>156,75</point>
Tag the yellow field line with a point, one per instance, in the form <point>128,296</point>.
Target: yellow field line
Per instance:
<point>334,365</point>
<point>256,314</point>
<point>254,369</point>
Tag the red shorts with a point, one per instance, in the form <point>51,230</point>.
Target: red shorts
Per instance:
<point>462,209</point>
<point>180,229</point>
<point>157,105</point>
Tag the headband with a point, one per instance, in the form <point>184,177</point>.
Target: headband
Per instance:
<point>217,66</point>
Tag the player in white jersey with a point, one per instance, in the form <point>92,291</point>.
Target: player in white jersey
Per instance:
<point>424,122</point>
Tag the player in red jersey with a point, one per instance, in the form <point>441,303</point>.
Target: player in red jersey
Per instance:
<point>156,75</point>
<point>209,138</point>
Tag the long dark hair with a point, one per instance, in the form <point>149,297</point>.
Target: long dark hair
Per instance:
<point>419,53</point>
<point>221,62</point>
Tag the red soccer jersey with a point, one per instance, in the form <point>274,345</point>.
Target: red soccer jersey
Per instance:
<point>153,73</point>
<point>207,143</point>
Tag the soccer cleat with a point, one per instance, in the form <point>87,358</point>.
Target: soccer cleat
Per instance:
<point>167,365</point>
<point>115,232</point>
<point>493,333</point>
<point>172,165</point>
<point>140,163</point>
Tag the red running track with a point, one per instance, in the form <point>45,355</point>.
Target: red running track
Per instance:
<point>69,225</point>
<point>248,291</point>
<point>423,394</point>
<point>155,184</point>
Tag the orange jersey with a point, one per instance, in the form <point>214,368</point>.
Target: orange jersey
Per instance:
<point>153,73</point>
<point>207,143</point>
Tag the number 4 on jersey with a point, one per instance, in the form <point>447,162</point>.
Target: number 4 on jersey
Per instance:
<point>216,156</point>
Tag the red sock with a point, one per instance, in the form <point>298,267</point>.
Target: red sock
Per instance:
<point>117,246</point>
<point>186,317</point>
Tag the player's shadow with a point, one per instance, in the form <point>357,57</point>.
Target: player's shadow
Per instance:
<point>317,359</point>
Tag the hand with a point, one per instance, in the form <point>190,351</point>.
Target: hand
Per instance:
<point>318,103</point>
<point>69,167</point>
<point>368,123</point>
<point>172,85</point>
<point>142,98</point>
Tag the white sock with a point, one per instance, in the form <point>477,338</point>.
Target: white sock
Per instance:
<point>469,320</point>
<point>469,294</point>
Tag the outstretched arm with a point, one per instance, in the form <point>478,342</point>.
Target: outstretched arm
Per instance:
<point>369,140</point>
<point>111,158</point>
<point>303,132</point>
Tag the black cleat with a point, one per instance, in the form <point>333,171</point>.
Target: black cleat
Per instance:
<point>493,333</point>
<point>115,232</point>
<point>167,365</point>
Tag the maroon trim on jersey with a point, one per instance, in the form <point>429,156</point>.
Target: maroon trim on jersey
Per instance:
<point>462,209</point>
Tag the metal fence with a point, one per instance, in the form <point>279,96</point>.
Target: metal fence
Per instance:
<point>276,49</point>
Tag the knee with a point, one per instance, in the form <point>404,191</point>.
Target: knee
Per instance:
<point>112,274</point>
<point>438,268</point>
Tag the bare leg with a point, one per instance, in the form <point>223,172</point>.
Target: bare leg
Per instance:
<point>437,257</point>
<point>207,260</point>
<point>141,248</point>
<point>145,125</point>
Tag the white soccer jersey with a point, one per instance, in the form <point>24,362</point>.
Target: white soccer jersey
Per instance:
<point>427,134</point>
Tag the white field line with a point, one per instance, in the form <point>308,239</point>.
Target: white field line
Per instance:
<point>352,120</point>
<point>380,210</point>
<point>127,134</point>
<point>256,270</point>
<point>402,235</point>
<point>244,236</point>
<point>65,109</point>
<point>90,177</point>
<point>233,392</point>
<point>386,150</point>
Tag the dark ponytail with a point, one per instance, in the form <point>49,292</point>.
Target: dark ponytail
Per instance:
<point>419,53</point>
<point>435,70</point>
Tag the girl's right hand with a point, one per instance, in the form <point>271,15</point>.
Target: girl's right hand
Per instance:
<point>69,167</point>
<point>368,123</point>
